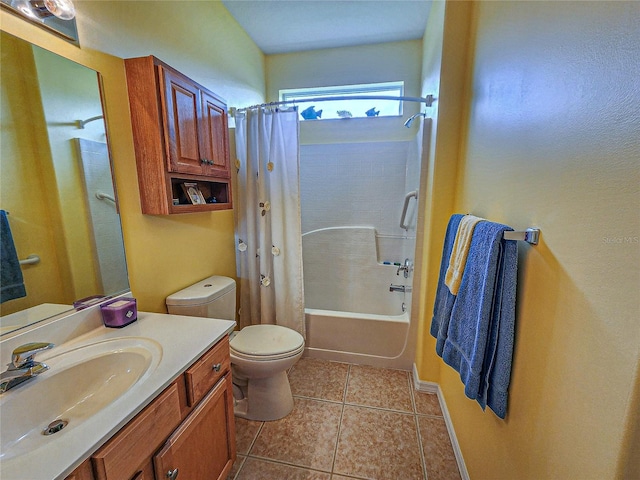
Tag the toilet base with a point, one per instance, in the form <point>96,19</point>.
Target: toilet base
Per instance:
<point>267,398</point>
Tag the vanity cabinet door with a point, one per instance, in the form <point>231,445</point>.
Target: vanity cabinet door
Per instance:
<point>83,472</point>
<point>145,473</point>
<point>126,455</point>
<point>203,446</point>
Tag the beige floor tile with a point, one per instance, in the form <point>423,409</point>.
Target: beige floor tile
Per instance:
<point>340,477</point>
<point>438,452</point>
<point>246,432</point>
<point>320,379</point>
<point>378,445</point>
<point>306,437</point>
<point>237,465</point>
<point>379,387</point>
<point>427,403</point>
<point>256,469</point>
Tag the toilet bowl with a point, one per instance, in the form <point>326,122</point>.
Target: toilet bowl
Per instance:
<point>260,358</point>
<point>260,354</point>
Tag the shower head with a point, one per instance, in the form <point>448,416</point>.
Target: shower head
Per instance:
<point>412,118</point>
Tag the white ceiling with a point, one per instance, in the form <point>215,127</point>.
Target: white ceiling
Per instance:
<point>284,26</point>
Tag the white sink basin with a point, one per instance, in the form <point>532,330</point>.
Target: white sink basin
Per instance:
<point>79,383</point>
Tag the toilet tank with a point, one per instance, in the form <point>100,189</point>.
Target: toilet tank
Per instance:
<point>213,297</point>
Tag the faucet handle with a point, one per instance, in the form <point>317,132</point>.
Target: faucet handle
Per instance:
<point>24,354</point>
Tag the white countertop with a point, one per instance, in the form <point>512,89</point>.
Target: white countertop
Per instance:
<point>182,339</point>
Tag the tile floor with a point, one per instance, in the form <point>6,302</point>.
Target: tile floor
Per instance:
<point>348,422</point>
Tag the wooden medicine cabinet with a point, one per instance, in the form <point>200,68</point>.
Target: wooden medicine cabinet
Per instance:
<point>181,137</point>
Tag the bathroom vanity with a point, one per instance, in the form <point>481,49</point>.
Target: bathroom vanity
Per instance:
<point>174,419</point>
<point>188,429</point>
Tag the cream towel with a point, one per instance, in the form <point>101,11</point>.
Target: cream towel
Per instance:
<point>458,258</point>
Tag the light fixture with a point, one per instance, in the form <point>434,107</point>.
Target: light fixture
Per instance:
<point>24,7</point>
<point>40,9</point>
<point>63,9</point>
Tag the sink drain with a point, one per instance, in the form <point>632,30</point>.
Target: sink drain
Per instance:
<point>55,427</point>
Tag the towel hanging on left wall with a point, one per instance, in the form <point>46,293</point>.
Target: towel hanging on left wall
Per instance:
<point>11,281</point>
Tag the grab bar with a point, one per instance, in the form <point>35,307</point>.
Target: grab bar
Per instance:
<point>105,196</point>
<point>407,197</point>
<point>30,260</point>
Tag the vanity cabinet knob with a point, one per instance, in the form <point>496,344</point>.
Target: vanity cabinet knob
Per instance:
<point>172,474</point>
<point>217,367</point>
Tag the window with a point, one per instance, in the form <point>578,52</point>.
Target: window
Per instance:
<point>345,107</point>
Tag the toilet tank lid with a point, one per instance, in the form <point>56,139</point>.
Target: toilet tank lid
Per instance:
<point>204,291</point>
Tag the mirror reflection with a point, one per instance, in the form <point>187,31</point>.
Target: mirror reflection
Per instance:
<point>56,185</point>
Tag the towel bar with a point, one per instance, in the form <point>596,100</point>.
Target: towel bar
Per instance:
<point>531,235</point>
<point>30,260</point>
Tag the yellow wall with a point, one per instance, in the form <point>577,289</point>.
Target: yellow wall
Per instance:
<point>164,254</point>
<point>550,139</point>
<point>445,47</point>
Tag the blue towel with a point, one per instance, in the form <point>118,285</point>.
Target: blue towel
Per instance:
<point>444,299</point>
<point>11,282</point>
<point>479,337</point>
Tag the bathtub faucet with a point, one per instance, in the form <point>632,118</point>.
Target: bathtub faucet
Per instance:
<point>399,288</point>
<point>406,268</point>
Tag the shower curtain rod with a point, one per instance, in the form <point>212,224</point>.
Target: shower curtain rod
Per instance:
<point>428,100</point>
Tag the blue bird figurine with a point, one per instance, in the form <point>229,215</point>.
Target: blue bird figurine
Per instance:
<point>311,114</point>
<point>372,112</point>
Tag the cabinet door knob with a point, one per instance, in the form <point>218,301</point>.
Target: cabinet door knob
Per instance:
<point>172,474</point>
<point>217,367</point>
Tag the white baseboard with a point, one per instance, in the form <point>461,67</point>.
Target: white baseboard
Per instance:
<point>432,387</point>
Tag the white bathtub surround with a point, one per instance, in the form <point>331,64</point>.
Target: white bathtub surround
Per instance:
<point>344,184</point>
<point>431,387</point>
<point>268,225</point>
<point>351,314</point>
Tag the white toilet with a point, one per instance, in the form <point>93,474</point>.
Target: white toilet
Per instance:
<point>260,354</point>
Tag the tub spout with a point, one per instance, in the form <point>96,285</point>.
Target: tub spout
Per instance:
<point>399,288</point>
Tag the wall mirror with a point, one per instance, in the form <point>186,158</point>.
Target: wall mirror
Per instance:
<point>56,184</point>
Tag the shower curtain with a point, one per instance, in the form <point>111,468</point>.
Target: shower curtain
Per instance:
<point>268,225</point>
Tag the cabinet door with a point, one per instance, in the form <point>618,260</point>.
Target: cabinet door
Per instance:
<point>145,473</point>
<point>181,105</point>
<point>214,142</point>
<point>203,447</point>
<point>83,472</point>
<point>128,452</point>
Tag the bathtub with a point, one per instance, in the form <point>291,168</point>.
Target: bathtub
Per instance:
<point>350,314</point>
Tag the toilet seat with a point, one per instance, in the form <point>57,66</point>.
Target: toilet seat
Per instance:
<point>266,342</point>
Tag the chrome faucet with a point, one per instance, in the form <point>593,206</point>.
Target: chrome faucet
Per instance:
<point>406,268</point>
<point>23,367</point>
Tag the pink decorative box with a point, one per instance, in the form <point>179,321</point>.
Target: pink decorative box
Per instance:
<point>119,312</point>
